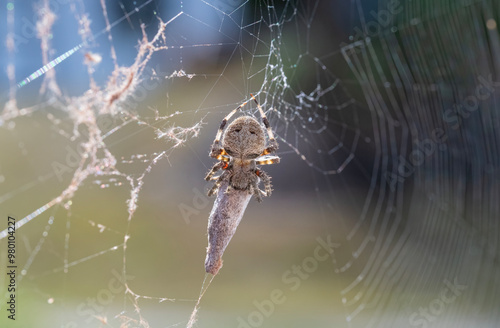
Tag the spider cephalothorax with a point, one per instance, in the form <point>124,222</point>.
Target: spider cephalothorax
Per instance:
<point>242,148</point>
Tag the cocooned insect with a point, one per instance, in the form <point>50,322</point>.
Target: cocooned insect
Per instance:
<point>224,219</point>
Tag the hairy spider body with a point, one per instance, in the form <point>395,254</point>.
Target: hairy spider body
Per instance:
<point>242,148</point>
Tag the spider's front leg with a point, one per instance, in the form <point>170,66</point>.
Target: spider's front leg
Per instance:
<point>272,147</point>
<point>216,149</point>
<point>273,144</point>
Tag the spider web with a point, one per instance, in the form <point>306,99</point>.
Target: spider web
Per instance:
<point>392,151</point>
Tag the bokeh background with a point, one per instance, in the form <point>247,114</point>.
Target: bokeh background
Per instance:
<point>386,116</point>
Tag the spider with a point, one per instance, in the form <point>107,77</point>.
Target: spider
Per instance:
<point>243,147</point>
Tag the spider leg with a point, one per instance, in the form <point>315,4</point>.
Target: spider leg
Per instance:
<point>266,179</point>
<point>267,160</point>
<point>217,183</point>
<point>215,187</point>
<point>217,149</point>
<point>254,189</point>
<point>273,144</point>
<point>217,166</point>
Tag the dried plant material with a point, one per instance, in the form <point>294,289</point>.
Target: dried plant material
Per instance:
<point>92,58</point>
